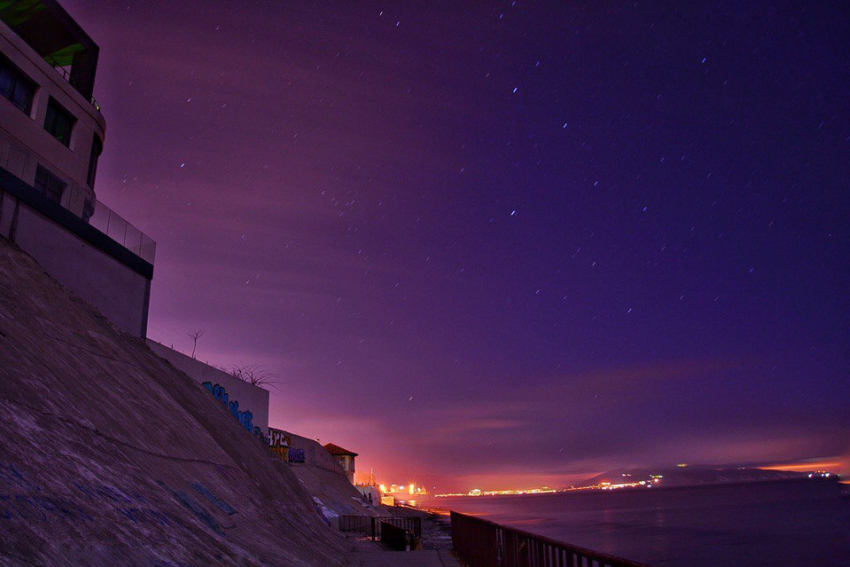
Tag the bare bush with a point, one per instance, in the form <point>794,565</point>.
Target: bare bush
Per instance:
<point>195,335</point>
<point>257,375</point>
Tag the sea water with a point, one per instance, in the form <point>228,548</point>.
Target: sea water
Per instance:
<point>785,523</point>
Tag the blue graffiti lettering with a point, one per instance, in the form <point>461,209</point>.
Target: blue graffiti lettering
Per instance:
<point>136,515</point>
<point>218,503</point>
<point>11,476</point>
<point>28,507</point>
<point>194,507</point>
<point>109,493</point>
<point>219,392</point>
<point>54,506</point>
<point>25,499</point>
<point>165,563</point>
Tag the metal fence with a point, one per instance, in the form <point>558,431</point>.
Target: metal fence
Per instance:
<point>482,543</point>
<point>370,526</point>
<point>394,537</point>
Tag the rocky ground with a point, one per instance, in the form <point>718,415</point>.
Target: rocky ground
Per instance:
<point>436,531</point>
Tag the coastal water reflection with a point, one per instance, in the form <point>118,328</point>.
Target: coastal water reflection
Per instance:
<point>790,523</point>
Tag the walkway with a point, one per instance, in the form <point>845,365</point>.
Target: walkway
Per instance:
<point>380,558</point>
<point>368,553</point>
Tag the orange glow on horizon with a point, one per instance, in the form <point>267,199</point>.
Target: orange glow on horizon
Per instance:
<point>832,464</point>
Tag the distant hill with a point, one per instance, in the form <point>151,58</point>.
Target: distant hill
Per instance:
<point>689,476</point>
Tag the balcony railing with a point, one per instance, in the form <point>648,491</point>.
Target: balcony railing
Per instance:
<point>110,223</point>
<point>65,72</point>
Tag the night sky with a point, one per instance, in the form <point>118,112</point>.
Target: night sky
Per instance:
<point>503,244</point>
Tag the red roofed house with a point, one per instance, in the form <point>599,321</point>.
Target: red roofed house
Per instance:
<point>344,457</point>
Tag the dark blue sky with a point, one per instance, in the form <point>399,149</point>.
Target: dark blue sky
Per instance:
<point>504,243</point>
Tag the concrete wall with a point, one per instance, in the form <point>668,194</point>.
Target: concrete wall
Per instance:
<point>119,292</point>
<point>347,464</point>
<point>370,493</point>
<point>249,397</point>
<point>314,454</point>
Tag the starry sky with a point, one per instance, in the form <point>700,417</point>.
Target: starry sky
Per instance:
<point>498,244</point>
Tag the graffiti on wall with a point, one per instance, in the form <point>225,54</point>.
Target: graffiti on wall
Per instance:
<point>296,456</point>
<point>279,443</point>
<point>23,500</point>
<point>278,438</point>
<point>192,505</point>
<point>215,500</point>
<point>244,418</point>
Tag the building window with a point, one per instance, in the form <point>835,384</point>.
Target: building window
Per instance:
<point>15,86</point>
<point>59,122</point>
<point>96,150</point>
<point>49,185</point>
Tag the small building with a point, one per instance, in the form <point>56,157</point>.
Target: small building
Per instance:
<point>344,457</point>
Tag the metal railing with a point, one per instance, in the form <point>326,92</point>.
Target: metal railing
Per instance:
<point>370,526</point>
<point>482,543</point>
<point>66,74</point>
<point>59,68</point>
<point>394,537</point>
<point>109,223</point>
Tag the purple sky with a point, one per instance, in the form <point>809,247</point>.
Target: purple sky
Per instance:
<point>500,245</point>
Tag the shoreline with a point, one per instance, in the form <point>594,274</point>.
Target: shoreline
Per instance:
<point>837,479</point>
<point>436,527</point>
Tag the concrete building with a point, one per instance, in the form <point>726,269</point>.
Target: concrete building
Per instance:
<point>249,404</point>
<point>344,457</point>
<point>51,136</point>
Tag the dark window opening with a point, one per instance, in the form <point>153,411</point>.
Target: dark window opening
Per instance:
<point>96,150</point>
<point>59,122</point>
<point>49,185</point>
<point>15,87</point>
